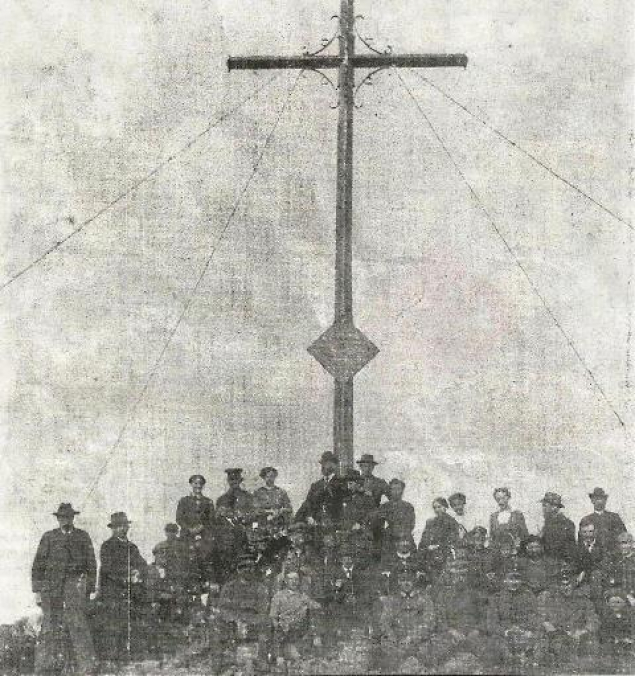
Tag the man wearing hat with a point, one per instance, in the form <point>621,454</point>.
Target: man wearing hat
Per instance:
<point>568,619</point>
<point>608,525</point>
<point>406,625</point>
<point>323,503</point>
<point>558,532</point>
<point>512,620</point>
<point>122,576</point>
<point>244,604</point>
<point>236,504</point>
<point>62,578</point>
<point>371,484</point>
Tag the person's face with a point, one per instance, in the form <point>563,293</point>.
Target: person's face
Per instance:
<point>458,506</point>
<point>170,536</point>
<point>406,584</point>
<point>328,541</point>
<point>438,508</point>
<point>396,491</point>
<point>121,530</point>
<point>297,540</point>
<point>246,571</point>
<point>507,549</point>
<point>292,581</point>
<point>347,561</point>
<point>548,508</point>
<point>270,478</point>
<point>625,545</point>
<point>534,550</point>
<point>588,532</point>
<point>478,540</point>
<point>234,481</point>
<point>366,469</point>
<point>566,586</point>
<point>599,503</point>
<point>197,486</point>
<point>403,546</point>
<point>617,604</point>
<point>502,499</point>
<point>65,520</point>
<point>512,583</point>
<point>328,468</point>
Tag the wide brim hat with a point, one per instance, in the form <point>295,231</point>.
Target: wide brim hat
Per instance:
<point>329,456</point>
<point>598,493</point>
<point>367,459</point>
<point>119,519</point>
<point>552,499</point>
<point>65,509</point>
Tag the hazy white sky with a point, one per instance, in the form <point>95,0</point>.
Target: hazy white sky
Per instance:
<point>474,386</point>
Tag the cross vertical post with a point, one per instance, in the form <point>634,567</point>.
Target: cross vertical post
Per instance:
<point>343,350</point>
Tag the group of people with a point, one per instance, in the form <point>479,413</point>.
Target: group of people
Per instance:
<point>247,580</point>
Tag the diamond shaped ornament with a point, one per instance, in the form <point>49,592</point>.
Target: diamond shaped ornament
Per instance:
<point>343,350</point>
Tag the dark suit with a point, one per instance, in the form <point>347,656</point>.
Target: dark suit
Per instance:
<point>64,575</point>
<point>608,525</point>
<point>324,500</point>
<point>122,598</point>
<point>439,536</point>
<point>192,512</point>
<point>589,558</point>
<point>558,534</point>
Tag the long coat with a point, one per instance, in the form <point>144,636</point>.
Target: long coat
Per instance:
<point>324,500</point>
<point>118,559</point>
<point>558,534</point>
<point>59,556</point>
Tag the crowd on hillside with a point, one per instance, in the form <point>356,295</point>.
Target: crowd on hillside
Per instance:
<point>247,581</point>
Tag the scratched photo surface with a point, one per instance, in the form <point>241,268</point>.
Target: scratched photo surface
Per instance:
<point>168,256</point>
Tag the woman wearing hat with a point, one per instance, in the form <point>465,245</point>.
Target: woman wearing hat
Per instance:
<point>272,502</point>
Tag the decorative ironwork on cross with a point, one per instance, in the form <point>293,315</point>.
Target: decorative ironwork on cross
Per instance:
<point>343,350</point>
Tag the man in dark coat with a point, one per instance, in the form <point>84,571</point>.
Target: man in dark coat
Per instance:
<point>590,551</point>
<point>558,532</point>
<point>608,525</point>
<point>371,484</point>
<point>63,577</point>
<point>122,578</point>
<point>323,503</point>
<point>394,517</point>
<point>195,516</point>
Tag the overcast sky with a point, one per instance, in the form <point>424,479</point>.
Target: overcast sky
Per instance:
<point>474,387</point>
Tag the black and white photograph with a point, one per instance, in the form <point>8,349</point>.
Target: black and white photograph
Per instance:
<point>316,337</point>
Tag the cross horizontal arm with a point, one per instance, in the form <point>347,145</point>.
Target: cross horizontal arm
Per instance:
<point>358,61</point>
<point>270,62</point>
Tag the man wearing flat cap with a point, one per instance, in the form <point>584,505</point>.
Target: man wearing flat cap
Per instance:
<point>558,531</point>
<point>236,504</point>
<point>195,512</point>
<point>323,502</point>
<point>122,577</point>
<point>608,525</point>
<point>63,577</point>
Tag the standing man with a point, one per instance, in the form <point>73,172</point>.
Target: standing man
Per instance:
<point>394,517</point>
<point>371,484</point>
<point>236,504</point>
<point>608,525</point>
<point>558,532</point>
<point>122,577</point>
<point>63,577</point>
<point>323,503</point>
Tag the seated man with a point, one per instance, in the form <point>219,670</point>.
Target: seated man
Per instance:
<point>243,606</point>
<point>297,559</point>
<point>406,624</point>
<point>617,628</point>
<point>512,621</point>
<point>568,619</point>
<point>540,571</point>
<point>295,617</point>
<point>590,552</point>
<point>405,557</point>
<point>459,615</point>
<point>617,570</point>
<point>481,561</point>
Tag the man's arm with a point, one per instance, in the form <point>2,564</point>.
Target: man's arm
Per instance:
<point>38,571</point>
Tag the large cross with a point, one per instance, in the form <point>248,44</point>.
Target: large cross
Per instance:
<point>343,350</point>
